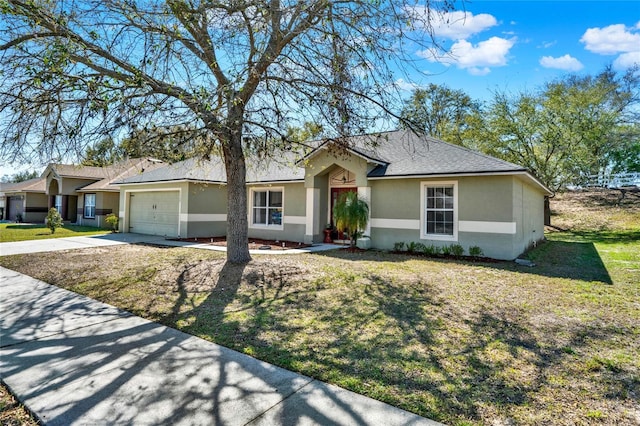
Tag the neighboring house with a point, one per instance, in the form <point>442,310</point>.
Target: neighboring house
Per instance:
<point>418,189</point>
<point>86,195</point>
<point>24,200</point>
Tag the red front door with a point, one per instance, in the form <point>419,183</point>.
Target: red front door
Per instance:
<point>335,194</point>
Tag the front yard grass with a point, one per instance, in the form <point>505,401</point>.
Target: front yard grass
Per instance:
<point>10,232</point>
<point>459,342</point>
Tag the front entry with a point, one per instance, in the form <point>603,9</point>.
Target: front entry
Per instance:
<point>335,194</point>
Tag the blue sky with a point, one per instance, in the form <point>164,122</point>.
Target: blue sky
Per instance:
<point>514,46</point>
<point>517,46</point>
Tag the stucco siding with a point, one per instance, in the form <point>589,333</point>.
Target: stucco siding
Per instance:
<point>36,207</point>
<point>528,207</point>
<point>485,198</point>
<point>324,162</point>
<point>70,185</point>
<point>291,232</point>
<point>207,229</point>
<point>207,199</point>
<point>395,199</point>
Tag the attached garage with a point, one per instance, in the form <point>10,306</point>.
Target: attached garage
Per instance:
<point>155,213</point>
<point>15,208</point>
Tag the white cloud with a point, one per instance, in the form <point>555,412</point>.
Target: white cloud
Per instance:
<point>402,84</point>
<point>566,62</point>
<point>611,40</point>
<point>627,60</point>
<point>479,71</point>
<point>477,59</point>
<point>455,25</point>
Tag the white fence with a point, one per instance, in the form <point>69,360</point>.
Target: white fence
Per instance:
<point>618,180</point>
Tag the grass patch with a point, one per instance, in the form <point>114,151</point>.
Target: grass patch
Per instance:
<point>10,232</point>
<point>459,342</point>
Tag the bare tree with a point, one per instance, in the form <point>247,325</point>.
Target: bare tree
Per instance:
<point>74,72</point>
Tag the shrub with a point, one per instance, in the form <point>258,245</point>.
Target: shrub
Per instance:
<point>112,221</point>
<point>398,246</point>
<point>54,220</point>
<point>475,251</point>
<point>457,250</point>
<point>446,250</point>
<point>419,248</point>
<point>411,247</point>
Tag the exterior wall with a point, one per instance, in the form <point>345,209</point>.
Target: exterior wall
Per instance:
<point>106,203</point>
<point>206,212</point>
<point>488,216</point>
<point>294,218</point>
<point>36,207</point>
<point>70,185</point>
<point>528,208</point>
<point>324,162</point>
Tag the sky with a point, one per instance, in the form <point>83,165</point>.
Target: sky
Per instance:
<point>517,46</point>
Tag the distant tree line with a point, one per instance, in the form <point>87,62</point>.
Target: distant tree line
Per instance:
<point>20,177</point>
<point>569,129</point>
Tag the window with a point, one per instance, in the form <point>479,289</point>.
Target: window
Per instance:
<point>267,207</point>
<point>90,206</point>
<point>440,211</point>
<point>58,203</point>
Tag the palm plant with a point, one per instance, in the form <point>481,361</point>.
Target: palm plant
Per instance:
<point>351,214</point>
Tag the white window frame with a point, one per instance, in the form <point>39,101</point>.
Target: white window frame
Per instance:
<point>252,223</point>
<point>84,210</point>
<point>423,210</point>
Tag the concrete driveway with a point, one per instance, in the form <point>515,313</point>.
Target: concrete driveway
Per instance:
<point>69,243</point>
<point>75,361</point>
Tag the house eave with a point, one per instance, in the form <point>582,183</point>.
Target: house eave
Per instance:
<point>315,152</point>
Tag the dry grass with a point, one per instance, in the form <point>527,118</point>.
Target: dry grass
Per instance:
<point>462,343</point>
<point>12,413</point>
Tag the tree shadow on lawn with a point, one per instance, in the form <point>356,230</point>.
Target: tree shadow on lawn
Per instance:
<point>387,340</point>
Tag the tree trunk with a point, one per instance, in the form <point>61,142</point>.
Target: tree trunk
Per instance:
<point>237,226</point>
<point>547,212</point>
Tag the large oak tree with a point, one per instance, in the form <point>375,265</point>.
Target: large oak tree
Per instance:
<point>74,72</point>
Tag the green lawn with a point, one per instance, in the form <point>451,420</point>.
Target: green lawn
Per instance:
<point>22,232</point>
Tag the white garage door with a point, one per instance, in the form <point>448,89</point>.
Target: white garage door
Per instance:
<point>154,213</point>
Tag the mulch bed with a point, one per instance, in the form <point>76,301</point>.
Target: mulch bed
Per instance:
<point>254,243</point>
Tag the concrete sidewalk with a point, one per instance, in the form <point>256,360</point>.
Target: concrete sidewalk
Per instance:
<point>73,360</point>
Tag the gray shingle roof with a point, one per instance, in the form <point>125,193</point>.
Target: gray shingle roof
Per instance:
<point>119,171</point>
<point>395,154</point>
<point>408,154</point>
<point>192,169</point>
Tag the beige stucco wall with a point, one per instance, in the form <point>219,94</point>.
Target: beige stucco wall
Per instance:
<point>206,211</point>
<point>528,204</point>
<point>35,201</point>
<point>324,162</point>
